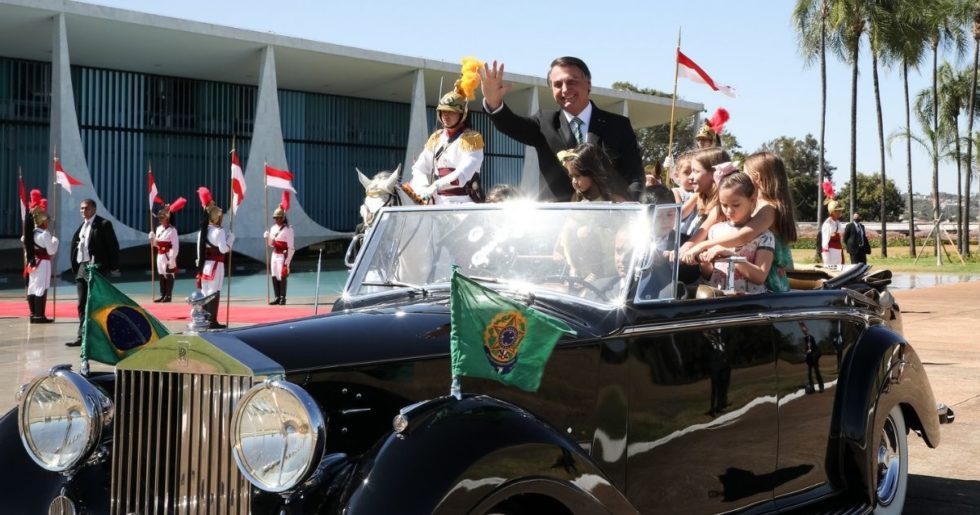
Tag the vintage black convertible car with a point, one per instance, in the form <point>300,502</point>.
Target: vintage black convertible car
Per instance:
<point>669,398</point>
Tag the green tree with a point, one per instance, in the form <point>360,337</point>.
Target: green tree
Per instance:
<point>974,14</point>
<point>802,160</point>
<point>869,193</point>
<point>653,140</point>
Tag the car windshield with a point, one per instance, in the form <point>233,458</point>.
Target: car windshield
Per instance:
<point>578,249</point>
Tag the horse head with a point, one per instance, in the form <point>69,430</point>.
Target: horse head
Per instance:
<point>379,191</point>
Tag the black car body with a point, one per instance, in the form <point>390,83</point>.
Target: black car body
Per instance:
<point>666,400</point>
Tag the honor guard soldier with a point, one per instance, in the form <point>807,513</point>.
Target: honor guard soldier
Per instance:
<point>213,246</point>
<point>280,238</point>
<point>448,169</point>
<point>40,245</point>
<point>164,239</point>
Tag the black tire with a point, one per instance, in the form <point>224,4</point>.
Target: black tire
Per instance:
<point>890,459</point>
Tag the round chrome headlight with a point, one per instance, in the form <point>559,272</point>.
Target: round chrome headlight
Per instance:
<point>61,417</point>
<point>279,435</point>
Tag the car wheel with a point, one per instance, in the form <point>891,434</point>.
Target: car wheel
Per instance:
<point>891,454</point>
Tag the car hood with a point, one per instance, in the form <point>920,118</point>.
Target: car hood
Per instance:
<point>393,332</point>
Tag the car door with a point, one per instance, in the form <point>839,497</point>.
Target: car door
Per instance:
<point>702,426</point>
<point>809,354</point>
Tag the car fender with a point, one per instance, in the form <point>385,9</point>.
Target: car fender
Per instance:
<point>882,371</point>
<point>457,455</point>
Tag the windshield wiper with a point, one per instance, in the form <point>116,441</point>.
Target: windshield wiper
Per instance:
<point>397,284</point>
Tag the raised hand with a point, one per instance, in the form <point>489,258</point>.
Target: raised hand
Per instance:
<point>492,85</point>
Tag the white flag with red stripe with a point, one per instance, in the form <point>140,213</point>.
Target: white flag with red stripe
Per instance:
<point>22,191</point>
<point>61,177</point>
<point>154,197</point>
<point>279,178</point>
<point>237,182</point>
<point>689,69</point>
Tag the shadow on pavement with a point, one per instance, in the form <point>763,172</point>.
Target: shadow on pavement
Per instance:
<point>942,496</point>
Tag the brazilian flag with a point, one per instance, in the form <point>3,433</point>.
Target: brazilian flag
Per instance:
<point>115,326</point>
<point>497,338</point>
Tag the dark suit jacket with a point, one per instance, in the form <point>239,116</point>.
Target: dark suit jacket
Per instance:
<point>548,132</point>
<point>102,245</point>
<point>851,240</point>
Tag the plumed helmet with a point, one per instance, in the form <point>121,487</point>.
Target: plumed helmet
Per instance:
<point>834,207</point>
<point>454,102</point>
<point>38,207</point>
<point>464,88</point>
<point>40,216</point>
<point>211,209</point>
<point>711,130</point>
<point>164,211</point>
<point>283,206</point>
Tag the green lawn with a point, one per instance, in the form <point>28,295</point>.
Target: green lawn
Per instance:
<point>899,260</point>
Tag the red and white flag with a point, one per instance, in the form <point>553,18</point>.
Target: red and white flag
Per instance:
<point>690,70</point>
<point>237,182</point>
<point>154,193</point>
<point>279,178</point>
<point>61,177</point>
<point>22,191</point>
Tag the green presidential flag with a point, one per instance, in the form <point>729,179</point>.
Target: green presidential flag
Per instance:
<point>115,326</point>
<point>497,338</point>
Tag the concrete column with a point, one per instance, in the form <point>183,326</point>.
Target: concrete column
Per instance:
<point>66,140</point>
<point>418,127</point>
<point>267,147</point>
<point>531,173</point>
<point>625,109</point>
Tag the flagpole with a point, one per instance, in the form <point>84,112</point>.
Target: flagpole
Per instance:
<point>149,175</point>
<point>673,101</point>
<point>265,208</point>
<point>231,226</point>
<point>23,226</point>
<point>54,209</point>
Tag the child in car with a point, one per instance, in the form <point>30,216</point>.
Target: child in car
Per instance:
<point>737,197</point>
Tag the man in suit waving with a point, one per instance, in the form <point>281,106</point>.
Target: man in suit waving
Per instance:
<point>576,120</point>
<point>94,243</point>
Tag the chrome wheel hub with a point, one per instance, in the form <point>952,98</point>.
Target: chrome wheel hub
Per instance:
<point>889,462</point>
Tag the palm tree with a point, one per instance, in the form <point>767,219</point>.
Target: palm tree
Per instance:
<point>880,21</point>
<point>905,40</point>
<point>943,20</point>
<point>806,15</point>
<point>974,6</point>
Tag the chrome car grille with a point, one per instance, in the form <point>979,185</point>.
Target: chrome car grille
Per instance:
<point>171,451</point>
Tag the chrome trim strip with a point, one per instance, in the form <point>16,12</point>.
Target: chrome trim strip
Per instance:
<point>661,327</point>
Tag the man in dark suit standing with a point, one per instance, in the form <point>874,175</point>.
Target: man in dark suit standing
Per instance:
<point>576,120</point>
<point>94,243</point>
<point>856,240</point>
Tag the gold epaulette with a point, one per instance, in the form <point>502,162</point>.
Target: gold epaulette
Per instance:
<point>471,141</point>
<point>433,140</point>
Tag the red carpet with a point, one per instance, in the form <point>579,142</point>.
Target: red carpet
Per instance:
<point>177,311</point>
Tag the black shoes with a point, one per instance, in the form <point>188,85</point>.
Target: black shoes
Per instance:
<point>215,325</point>
<point>276,301</point>
<point>41,320</point>
<point>163,298</point>
<point>76,343</point>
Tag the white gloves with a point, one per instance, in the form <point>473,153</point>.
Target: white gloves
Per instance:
<point>427,191</point>
<point>171,264</point>
<point>265,235</point>
<point>151,235</point>
<point>230,239</point>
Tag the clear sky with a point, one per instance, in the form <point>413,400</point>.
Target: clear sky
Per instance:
<point>749,45</point>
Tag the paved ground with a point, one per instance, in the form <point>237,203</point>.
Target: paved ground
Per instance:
<point>943,323</point>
